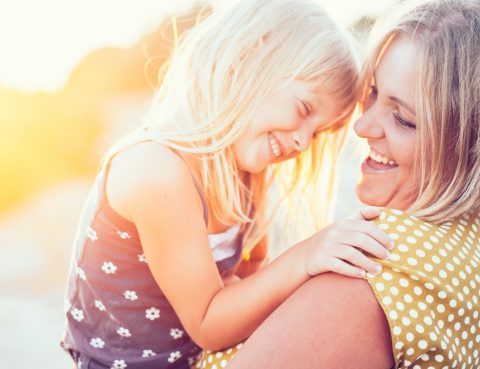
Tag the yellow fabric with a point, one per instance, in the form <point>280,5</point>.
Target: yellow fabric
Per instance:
<point>216,360</point>
<point>430,290</point>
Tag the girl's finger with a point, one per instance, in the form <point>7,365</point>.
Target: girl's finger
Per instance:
<point>370,229</point>
<point>341,267</point>
<point>358,259</point>
<point>366,212</point>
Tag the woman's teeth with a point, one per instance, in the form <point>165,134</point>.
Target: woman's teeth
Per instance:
<point>277,152</point>
<point>381,159</point>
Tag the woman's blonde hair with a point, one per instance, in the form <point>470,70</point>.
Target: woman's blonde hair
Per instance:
<point>447,35</point>
<point>220,73</point>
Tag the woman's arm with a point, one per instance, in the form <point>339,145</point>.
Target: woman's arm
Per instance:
<point>331,321</point>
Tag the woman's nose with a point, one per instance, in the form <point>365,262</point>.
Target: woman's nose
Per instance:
<point>368,125</point>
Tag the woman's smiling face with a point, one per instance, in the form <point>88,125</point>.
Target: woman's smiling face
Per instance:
<point>388,124</point>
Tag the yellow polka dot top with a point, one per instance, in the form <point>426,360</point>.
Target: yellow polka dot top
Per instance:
<point>429,290</point>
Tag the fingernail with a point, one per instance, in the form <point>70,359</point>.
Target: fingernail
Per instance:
<point>388,256</point>
<point>378,269</point>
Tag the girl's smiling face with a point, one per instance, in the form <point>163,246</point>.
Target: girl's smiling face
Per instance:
<point>284,125</point>
<point>388,124</point>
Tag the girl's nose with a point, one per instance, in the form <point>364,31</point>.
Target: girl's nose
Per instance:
<point>300,140</point>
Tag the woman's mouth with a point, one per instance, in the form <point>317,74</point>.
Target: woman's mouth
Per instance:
<point>377,162</point>
<point>275,145</point>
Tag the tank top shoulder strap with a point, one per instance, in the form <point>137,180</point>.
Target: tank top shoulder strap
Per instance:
<point>101,183</point>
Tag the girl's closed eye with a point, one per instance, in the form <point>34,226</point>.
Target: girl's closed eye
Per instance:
<point>305,108</point>
<point>403,122</point>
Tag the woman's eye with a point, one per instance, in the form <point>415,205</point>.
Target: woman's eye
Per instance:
<point>373,90</point>
<point>403,122</point>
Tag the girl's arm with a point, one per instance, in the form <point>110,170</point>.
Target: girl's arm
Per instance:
<point>152,187</point>
<point>255,260</point>
<point>331,321</point>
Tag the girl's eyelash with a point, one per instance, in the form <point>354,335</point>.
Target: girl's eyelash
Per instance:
<point>307,109</point>
<point>403,122</point>
<point>373,90</point>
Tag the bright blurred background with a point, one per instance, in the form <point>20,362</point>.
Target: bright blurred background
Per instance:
<point>74,76</point>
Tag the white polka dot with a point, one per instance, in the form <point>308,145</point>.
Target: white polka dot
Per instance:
<point>387,276</point>
<point>223,363</point>
<point>401,228</point>
<point>427,245</point>
<point>410,337</point>
<point>413,313</point>
<point>419,328</point>
<point>394,290</point>
<point>387,300</point>
<point>442,294</point>
<point>422,344</point>
<point>420,253</point>
<point>393,315</point>
<point>408,298</point>
<point>411,240</point>
<point>397,330</point>
<point>406,321</point>
<point>412,261</point>
<point>428,267</point>
<point>379,286</point>
<point>402,248</point>
<point>403,282</point>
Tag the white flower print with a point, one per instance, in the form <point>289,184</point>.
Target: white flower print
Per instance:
<point>77,314</point>
<point>92,234</point>
<point>142,258</point>
<point>124,332</point>
<point>176,333</point>
<point>67,305</point>
<point>109,268</point>
<point>152,313</point>
<point>147,353</point>
<point>174,356</point>
<point>119,364</point>
<point>99,305</point>
<point>80,272</point>
<point>123,235</point>
<point>130,295</point>
<point>97,342</point>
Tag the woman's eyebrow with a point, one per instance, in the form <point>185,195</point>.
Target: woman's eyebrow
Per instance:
<point>402,103</point>
<point>395,99</point>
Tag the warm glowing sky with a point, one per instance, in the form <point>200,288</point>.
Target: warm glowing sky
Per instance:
<point>42,40</point>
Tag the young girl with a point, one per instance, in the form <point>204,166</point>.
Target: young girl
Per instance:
<point>179,207</point>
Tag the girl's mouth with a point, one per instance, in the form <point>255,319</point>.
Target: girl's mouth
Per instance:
<point>275,145</point>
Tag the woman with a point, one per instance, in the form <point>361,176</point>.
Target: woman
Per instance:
<point>421,119</point>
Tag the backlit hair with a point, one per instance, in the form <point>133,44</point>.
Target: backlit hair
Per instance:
<point>221,72</point>
<point>447,36</point>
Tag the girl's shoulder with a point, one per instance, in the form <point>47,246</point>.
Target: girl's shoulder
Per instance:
<point>143,172</point>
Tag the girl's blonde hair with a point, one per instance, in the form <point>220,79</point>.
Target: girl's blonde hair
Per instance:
<point>221,72</point>
<point>447,35</point>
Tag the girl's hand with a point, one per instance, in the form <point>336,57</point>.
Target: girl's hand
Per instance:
<point>341,247</point>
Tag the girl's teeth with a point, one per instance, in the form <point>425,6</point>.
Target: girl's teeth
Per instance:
<point>275,148</point>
